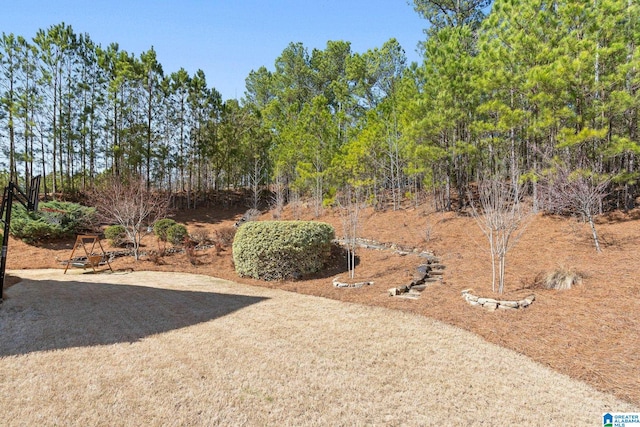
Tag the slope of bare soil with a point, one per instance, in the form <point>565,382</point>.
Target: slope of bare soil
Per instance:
<point>590,332</point>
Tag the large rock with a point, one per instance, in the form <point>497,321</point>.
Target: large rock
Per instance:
<point>509,304</point>
<point>491,306</point>
<point>423,269</point>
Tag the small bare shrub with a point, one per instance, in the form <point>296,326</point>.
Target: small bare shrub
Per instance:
<point>201,237</point>
<point>156,257</point>
<point>190,250</point>
<point>433,218</point>
<point>430,226</point>
<point>561,279</point>
<point>224,236</point>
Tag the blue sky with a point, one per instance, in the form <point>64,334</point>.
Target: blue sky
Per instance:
<point>225,38</point>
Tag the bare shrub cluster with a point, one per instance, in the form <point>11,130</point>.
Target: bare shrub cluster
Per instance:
<point>156,257</point>
<point>224,236</point>
<point>201,237</point>
<point>576,192</point>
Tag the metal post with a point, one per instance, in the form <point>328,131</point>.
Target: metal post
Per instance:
<point>30,202</point>
<point>5,237</point>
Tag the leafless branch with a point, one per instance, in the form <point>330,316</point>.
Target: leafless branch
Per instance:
<point>130,204</point>
<point>502,217</point>
<point>350,205</point>
<point>580,192</point>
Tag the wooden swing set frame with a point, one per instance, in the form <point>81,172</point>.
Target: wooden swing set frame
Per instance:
<point>93,258</point>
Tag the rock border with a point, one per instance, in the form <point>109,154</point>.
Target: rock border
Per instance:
<point>339,284</point>
<point>493,304</point>
<point>394,247</point>
<point>430,271</point>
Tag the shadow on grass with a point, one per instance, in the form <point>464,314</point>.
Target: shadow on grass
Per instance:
<point>52,315</point>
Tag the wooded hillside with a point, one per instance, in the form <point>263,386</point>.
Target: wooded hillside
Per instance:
<point>532,88</point>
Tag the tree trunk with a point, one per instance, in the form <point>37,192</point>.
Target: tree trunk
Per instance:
<point>596,241</point>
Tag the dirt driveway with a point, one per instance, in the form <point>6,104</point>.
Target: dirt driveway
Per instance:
<point>156,348</point>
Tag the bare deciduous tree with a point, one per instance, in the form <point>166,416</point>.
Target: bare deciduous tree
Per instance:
<point>296,204</point>
<point>576,192</point>
<point>278,199</point>
<point>255,179</point>
<point>129,203</point>
<point>502,217</point>
<point>350,205</point>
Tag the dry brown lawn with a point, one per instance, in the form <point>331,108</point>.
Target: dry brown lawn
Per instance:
<point>157,348</point>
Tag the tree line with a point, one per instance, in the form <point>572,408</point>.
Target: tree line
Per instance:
<point>521,92</point>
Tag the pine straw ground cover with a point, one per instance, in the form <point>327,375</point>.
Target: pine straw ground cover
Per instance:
<point>590,332</point>
<point>153,348</point>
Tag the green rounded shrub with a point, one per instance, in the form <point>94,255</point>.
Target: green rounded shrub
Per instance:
<point>176,234</point>
<point>161,226</point>
<point>52,221</point>
<point>116,234</point>
<point>32,229</point>
<point>274,250</point>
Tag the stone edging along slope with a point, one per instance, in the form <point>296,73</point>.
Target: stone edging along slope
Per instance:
<point>493,304</point>
<point>429,272</point>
